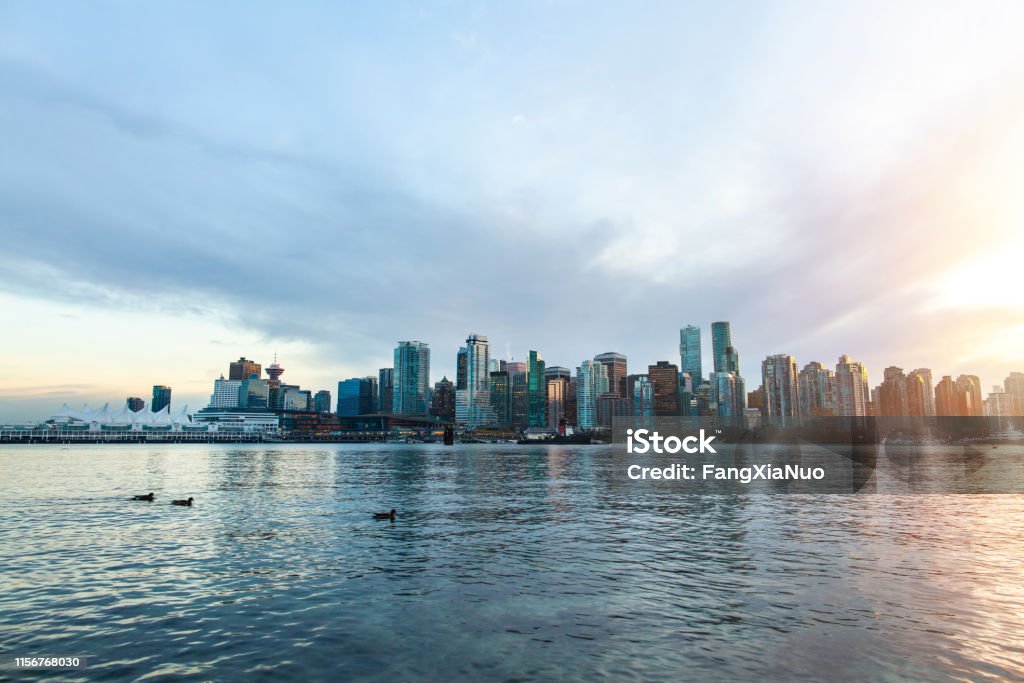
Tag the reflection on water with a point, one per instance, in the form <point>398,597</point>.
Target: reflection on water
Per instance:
<point>505,562</point>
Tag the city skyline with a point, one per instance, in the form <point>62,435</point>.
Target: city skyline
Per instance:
<point>826,182</point>
<point>796,392</point>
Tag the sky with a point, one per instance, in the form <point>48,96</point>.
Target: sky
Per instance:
<point>185,183</point>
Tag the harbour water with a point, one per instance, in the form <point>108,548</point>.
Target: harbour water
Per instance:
<point>504,563</point>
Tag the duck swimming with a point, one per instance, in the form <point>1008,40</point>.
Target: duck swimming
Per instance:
<point>148,496</point>
<point>385,515</point>
<point>183,502</point>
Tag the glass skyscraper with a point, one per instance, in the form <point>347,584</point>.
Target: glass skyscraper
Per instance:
<point>473,403</point>
<point>161,398</point>
<point>591,382</point>
<point>689,353</point>
<point>537,391</point>
<point>357,396</point>
<point>411,378</point>
<point>721,341</point>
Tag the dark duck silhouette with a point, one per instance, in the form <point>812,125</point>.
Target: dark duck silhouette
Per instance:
<point>385,515</point>
<point>183,502</point>
<point>149,496</point>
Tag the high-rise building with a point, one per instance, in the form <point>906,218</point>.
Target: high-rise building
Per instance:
<point>947,398</point>
<point>1013,385</point>
<point>609,406</point>
<point>917,394</point>
<point>519,389</point>
<point>755,400</point>
<point>295,399</point>
<point>461,368</point>
<point>537,391</point>
<point>501,398</point>
<point>998,403</point>
<point>243,368</point>
<point>721,340</point>
<point>781,389</point>
<point>572,413</point>
<point>385,390</point>
<point>322,401</point>
<point>473,404</point>
<point>728,396</point>
<point>356,396</point>
<point>689,353</point>
<point>970,392</point>
<point>816,388</point>
<point>255,393</point>
<point>411,378</point>
<point>892,393</point>
<point>225,393</point>
<point>920,381</point>
<point>591,382</point>
<point>442,405</point>
<point>643,400</point>
<point>664,377</point>
<point>615,364</point>
<point>852,393</point>
<point>161,398</point>
<point>558,380</point>
<point>135,404</point>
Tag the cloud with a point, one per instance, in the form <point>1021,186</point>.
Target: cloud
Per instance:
<point>373,190</point>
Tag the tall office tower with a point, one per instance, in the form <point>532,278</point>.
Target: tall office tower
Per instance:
<point>442,405</point>
<point>731,360</point>
<point>385,390</point>
<point>518,381</point>
<point>687,405</point>
<point>473,404</point>
<point>947,397</point>
<point>689,353</point>
<point>970,387</point>
<point>537,391</point>
<point>461,368</point>
<point>274,372</point>
<point>615,364</point>
<point>322,401</point>
<point>243,368</point>
<point>1013,385</point>
<point>135,404</point>
<point>892,393</point>
<point>558,379</point>
<point>225,393</point>
<point>664,377</point>
<point>998,403</point>
<point>852,393</point>
<point>255,393</point>
<point>591,382</point>
<point>411,378</point>
<point>501,398</point>
<point>781,384</point>
<point>161,398</point>
<point>721,340</point>
<point>295,399</point>
<point>356,396</point>
<point>925,375</point>
<point>724,394</point>
<point>643,400</point>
